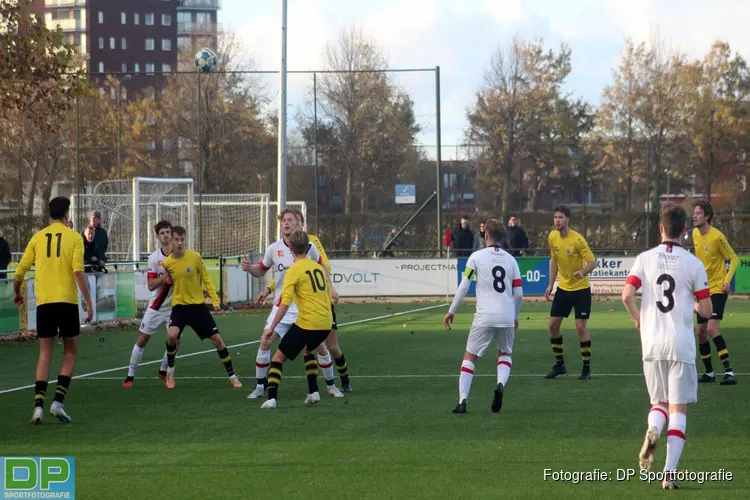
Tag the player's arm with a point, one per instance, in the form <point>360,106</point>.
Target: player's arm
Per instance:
<point>463,288</point>
<point>29,256</point>
<point>632,284</point>
<point>704,307</point>
<point>80,276</point>
<point>587,255</point>
<point>552,268</point>
<point>517,290</point>
<point>260,269</point>
<point>728,253</point>
<point>154,281</point>
<point>208,283</point>
<point>287,296</point>
<point>317,256</point>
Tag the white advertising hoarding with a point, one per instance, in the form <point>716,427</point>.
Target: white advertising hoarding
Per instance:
<point>394,277</point>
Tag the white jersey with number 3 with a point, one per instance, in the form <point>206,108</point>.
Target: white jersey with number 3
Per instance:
<point>279,258</point>
<point>671,278</point>
<point>496,273</point>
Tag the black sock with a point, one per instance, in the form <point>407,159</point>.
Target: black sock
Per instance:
<point>274,379</point>
<point>311,370</point>
<point>40,391</point>
<point>343,369</point>
<point>586,353</point>
<point>557,348</point>
<point>63,382</point>
<point>171,354</point>
<point>226,359</point>
<point>705,350</point>
<point>721,348</point>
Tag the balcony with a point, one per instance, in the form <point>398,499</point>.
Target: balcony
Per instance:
<point>68,25</point>
<point>64,3</point>
<point>198,29</point>
<point>198,4</point>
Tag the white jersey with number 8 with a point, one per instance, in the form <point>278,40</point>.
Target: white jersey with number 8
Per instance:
<point>671,278</point>
<point>496,273</point>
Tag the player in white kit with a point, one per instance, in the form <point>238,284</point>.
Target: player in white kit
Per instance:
<point>670,277</point>
<point>278,257</point>
<point>499,297</point>
<point>160,305</point>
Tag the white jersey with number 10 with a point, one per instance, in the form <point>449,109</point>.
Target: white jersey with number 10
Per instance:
<point>671,277</point>
<point>496,273</point>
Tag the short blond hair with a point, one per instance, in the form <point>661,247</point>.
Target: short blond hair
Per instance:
<point>299,242</point>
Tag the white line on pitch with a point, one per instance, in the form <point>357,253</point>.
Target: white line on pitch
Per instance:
<point>243,344</point>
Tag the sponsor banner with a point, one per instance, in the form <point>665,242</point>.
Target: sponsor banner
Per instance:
<point>10,316</point>
<point>126,305</point>
<point>394,277</point>
<point>106,297</point>
<point>610,275</point>
<point>742,276</point>
<point>38,477</point>
<point>534,275</point>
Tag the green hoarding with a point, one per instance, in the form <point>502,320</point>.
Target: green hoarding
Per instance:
<point>742,277</point>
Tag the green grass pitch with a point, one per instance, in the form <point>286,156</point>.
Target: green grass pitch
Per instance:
<point>395,435</point>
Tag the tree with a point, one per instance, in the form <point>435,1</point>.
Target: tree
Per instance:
<point>522,86</point>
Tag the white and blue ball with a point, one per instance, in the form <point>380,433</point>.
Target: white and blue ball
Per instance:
<point>205,60</point>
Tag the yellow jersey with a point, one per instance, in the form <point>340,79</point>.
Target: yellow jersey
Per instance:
<point>324,258</point>
<point>306,285</point>
<point>571,254</point>
<point>188,277</point>
<point>57,254</point>
<point>713,250</point>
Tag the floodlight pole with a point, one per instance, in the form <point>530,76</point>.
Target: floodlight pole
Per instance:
<point>281,181</point>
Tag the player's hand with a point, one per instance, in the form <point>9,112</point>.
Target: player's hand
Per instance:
<point>167,280</point>
<point>267,333</point>
<point>515,325</point>
<point>18,300</point>
<point>637,323</point>
<point>335,296</point>
<point>725,287</point>
<point>245,264</point>
<point>89,312</point>
<point>448,321</point>
<point>262,296</point>
<point>548,293</point>
<point>578,274</point>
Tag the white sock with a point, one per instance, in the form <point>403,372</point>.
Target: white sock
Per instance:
<point>135,360</point>
<point>464,380</point>
<point>262,363</point>
<point>675,440</point>
<point>503,369</point>
<point>164,363</point>
<point>326,365</point>
<point>657,417</point>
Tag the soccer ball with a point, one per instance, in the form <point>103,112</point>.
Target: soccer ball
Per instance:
<point>205,60</point>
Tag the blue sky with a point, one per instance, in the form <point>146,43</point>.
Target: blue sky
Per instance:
<point>460,37</point>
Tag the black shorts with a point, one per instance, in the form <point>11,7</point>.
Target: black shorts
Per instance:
<point>57,317</point>
<point>298,338</point>
<point>565,301</point>
<point>197,317</point>
<point>335,325</point>
<point>718,303</point>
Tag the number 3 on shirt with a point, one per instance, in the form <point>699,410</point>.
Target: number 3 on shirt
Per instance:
<point>498,273</point>
<point>668,293</point>
<point>317,280</point>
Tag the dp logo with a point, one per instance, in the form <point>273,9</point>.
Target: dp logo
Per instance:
<point>37,477</point>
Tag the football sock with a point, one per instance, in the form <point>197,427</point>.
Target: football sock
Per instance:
<point>503,369</point>
<point>675,440</point>
<point>226,359</point>
<point>274,379</point>
<point>63,382</point>
<point>171,353</point>
<point>326,365</point>
<point>464,380</point>
<point>40,391</point>
<point>311,370</point>
<point>586,353</point>
<point>164,363</point>
<point>343,369</point>
<point>657,417</point>
<point>135,360</point>
<point>262,362</point>
<point>721,348</point>
<point>557,348</point>
<point>705,350</point>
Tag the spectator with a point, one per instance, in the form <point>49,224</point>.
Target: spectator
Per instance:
<point>92,255</point>
<point>463,238</point>
<point>5,256</point>
<point>357,242</point>
<point>390,244</point>
<point>516,237</point>
<point>479,238</point>
<point>100,235</point>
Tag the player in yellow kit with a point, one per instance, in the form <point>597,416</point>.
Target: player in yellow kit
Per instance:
<point>572,261</point>
<point>188,275</point>
<point>306,285</point>
<point>712,248</point>
<point>56,252</point>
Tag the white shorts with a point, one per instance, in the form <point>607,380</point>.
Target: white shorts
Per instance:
<point>153,319</point>
<point>481,336</point>
<point>286,322</point>
<point>673,382</point>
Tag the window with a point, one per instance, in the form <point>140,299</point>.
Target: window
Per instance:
<point>136,19</point>
<point>124,68</point>
<point>166,19</point>
<point>112,43</point>
<point>166,44</point>
<point>150,68</point>
<point>101,42</point>
<point>184,18</point>
<point>469,196</point>
<point>446,180</point>
<point>123,43</point>
<point>123,18</point>
<point>137,67</point>
<point>101,67</point>
<point>202,18</point>
<point>182,42</point>
<point>101,16</point>
<point>149,44</point>
<point>150,19</point>
<point>322,181</point>
<point>166,68</point>
<point>336,200</point>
